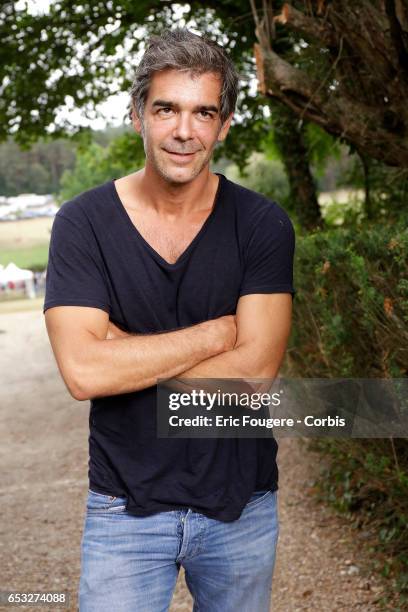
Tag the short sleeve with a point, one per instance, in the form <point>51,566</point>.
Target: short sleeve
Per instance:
<point>269,254</point>
<point>75,274</point>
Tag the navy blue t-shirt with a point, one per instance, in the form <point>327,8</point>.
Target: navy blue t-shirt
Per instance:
<point>97,258</point>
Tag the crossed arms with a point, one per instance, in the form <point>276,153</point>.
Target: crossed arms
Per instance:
<point>96,359</point>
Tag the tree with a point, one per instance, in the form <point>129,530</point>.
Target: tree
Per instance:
<point>350,74</point>
<point>71,52</point>
<point>291,142</point>
<point>35,171</point>
<point>97,164</point>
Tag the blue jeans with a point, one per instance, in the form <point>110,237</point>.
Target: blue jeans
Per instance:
<point>131,563</point>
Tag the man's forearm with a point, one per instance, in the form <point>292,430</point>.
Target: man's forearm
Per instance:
<point>237,363</point>
<point>122,365</point>
<point>263,328</point>
<point>230,364</point>
<point>215,370</point>
<point>240,362</point>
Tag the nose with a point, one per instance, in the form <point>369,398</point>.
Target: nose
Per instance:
<point>183,129</point>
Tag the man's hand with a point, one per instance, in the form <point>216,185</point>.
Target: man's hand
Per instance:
<point>223,330</point>
<point>263,327</point>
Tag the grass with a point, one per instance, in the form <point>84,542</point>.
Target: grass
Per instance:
<point>26,232</point>
<point>33,258</point>
<point>25,242</point>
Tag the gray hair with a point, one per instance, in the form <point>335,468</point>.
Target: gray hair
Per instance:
<point>185,51</point>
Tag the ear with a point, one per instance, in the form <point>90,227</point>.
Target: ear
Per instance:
<point>225,127</point>
<point>137,124</point>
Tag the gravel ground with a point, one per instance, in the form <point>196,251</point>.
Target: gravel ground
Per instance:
<point>321,564</point>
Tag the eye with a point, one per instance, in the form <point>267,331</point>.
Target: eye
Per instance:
<point>206,113</point>
<point>165,108</point>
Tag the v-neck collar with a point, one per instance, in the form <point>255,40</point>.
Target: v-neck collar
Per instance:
<point>194,241</point>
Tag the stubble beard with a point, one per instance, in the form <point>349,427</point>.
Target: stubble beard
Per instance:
<point>170,174</point>
<point>164,170</point>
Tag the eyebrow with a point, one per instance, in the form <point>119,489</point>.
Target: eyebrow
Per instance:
<point>200,107</point>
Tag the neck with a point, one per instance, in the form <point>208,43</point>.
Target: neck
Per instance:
<point>176,198</point>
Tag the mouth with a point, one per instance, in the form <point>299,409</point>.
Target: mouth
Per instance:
<point>180,156</point>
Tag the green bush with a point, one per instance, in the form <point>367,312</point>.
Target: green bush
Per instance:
<point>350,320</point>
<point>351,306</point>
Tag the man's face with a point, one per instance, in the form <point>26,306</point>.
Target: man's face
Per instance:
<point>181,116</point>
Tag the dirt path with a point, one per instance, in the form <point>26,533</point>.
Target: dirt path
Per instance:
<point>44,484</point>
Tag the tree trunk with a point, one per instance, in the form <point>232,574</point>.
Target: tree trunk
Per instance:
<point>289,138</point>
<point>368,205</point>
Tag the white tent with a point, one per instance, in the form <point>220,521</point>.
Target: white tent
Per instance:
<point>12,273</point>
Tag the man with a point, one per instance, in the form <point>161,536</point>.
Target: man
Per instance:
<point>172,271</point>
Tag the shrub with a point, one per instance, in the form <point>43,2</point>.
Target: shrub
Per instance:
<point>350,320</point>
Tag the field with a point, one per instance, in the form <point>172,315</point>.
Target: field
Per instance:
<point>25,242</point>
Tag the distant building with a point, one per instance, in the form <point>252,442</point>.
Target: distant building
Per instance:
<point>27,206</point>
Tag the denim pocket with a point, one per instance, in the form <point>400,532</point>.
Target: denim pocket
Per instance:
<point>100,502</point>
<point>258,496</point>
